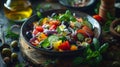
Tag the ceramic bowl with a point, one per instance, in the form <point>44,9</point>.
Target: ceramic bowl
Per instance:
<point>112,28</point>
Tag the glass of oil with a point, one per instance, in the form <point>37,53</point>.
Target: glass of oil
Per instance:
<point>18,10</point>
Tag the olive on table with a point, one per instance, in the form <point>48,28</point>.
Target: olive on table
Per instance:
<point>7,60</point>
<point>14,56</point>
<point>6,52</point>
<point>14,44</point>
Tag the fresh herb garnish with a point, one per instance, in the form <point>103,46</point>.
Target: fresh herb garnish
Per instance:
<point>106,26</point>
<point>11,34</point>
<point>92,56</point>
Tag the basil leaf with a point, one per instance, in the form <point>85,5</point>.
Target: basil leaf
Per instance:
<point>103,48</point>
<point>87,23</point>
<point>96,43</point>
<point>78,61</point>
<point>39,14</point>
<point>80,37</point>
<point>45,43</point>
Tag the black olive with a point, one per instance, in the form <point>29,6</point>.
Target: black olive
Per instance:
<point>72,41</point>
<point>29,35</point>
<point>67,24</point>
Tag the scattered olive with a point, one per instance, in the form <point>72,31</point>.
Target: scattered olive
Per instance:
<point>14,44</point>
<point>14,56</point>
<point>7,60</point>
<point>117,28</point>
<point>6,52</point>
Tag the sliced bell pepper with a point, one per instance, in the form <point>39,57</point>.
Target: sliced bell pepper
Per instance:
<point>45,20</point>
<point>56,44</point>
<point>64,46</point>
<point>41,36</point>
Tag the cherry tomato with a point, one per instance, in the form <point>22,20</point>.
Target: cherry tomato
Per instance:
<point>39,28</point>
<point>64,46</point>
<point>98,18</point>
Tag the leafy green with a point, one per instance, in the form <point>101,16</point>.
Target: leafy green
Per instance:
<point>78,60</point>
<point>45,43</point>
<point>11,34</point>
<point>80,37</point>
<point>96,43</point>
<point>103,48</point>
<point>67,16</point>
<point>97,8</point>
<point>58,30</point>
<point>92,57</point>
<point>86,22</point>
<point>47,62</point>
<point>39,14</point>
<point>63,38</point>
<point>106,26</point>
<point>19,65</point>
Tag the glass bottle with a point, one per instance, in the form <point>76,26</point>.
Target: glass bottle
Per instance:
<point>17,10</point>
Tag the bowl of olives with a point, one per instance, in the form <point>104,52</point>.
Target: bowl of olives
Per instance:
<point>115,28</point>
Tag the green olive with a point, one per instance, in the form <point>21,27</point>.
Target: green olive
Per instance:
<point>14,44</point>
<point>6,52</point>
<point>14,56</point>
<point>7,60</point>
<point>117,28</point>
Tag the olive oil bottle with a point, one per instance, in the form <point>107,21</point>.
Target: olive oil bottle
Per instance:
<point>17,10</point>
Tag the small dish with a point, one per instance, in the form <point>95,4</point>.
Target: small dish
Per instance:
<point>114,24</point>
<point>84,5</point>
